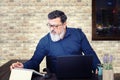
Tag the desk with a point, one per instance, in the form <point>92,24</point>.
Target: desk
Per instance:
<point>5,72</point>
<point>116,77</point>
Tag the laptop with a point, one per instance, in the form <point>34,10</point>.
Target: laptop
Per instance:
<point>74,67</point>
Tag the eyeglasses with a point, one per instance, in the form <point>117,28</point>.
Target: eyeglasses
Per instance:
<point>50,25</point>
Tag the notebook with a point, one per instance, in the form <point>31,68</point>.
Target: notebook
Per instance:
<point>74,67</point>
<point>24,74</point>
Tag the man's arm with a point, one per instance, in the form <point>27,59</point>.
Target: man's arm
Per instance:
<point>87,50</point>
<point>40,52</point>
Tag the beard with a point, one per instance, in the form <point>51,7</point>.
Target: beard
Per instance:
<point>56,37</point>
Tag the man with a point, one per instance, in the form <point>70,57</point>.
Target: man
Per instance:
<point>60,41</point>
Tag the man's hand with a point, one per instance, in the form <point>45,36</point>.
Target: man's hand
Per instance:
<point>96,72</point>
<point>16,65</point>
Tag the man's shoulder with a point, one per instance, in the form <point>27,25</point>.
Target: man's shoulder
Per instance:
<point>45,38</point>
<point>74,30</point>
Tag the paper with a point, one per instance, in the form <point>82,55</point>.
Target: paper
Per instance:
<point>22,74</point>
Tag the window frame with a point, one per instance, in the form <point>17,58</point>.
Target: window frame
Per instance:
<point>94,35</point>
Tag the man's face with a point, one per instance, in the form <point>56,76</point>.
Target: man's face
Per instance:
<point>57,28</point>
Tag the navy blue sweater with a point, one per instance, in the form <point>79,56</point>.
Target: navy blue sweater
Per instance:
<point>73,43</point>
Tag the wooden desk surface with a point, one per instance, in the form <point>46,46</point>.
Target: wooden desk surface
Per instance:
<point>5,71</point>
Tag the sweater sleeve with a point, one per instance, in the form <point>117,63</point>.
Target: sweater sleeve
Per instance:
<point>87,49</point>
<point>40,52</point>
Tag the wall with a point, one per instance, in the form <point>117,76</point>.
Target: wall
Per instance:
<point>23,23</point>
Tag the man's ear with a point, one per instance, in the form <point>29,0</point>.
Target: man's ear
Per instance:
<point>65,25</point>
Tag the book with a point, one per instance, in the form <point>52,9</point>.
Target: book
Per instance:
<point>23,74</point>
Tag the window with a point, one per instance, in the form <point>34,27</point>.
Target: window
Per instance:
<point>105,19</point>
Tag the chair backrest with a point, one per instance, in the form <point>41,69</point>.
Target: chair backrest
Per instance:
<point>49,64</point>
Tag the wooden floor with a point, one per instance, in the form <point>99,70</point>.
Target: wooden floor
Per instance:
<point>5,69</point>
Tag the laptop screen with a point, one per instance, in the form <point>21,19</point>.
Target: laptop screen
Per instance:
<point>75,66</point>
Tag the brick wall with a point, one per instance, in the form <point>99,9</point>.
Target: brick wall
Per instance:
<point>23,23</point>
